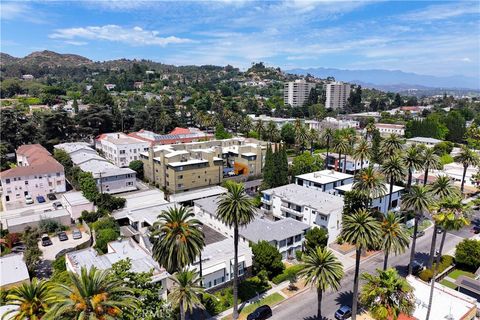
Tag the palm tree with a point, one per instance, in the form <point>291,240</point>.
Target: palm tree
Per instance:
<point>369,182</point>
<point>246,125</point>
<point>387,295</point>
<point>164,120</point>
<point>271,131</point>
<point>440,189</point>
<point>430,161</point>
<point>369,129</point>
<point>312,137</point>
<point>394,236</point>
<point>177,239</point>
<point>362,230</point>
<point>418,199</point>
<point>467,157</point>
<point>412,158</point>
<point>361,152</point>
<point>93,295</point>
<point>394,169</point>
<point>33,300</point>
<point>260,128</point>
<point>322,270</point>
<point>391,145</point>
<point>327,137</point>
<point>341,146</point>
<point>186,291</point>
<point>236,210</point>
<point>301,134</point>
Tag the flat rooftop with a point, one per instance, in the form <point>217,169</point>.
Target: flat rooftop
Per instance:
<point>424,140</point>
<point>75,198</point>
<point>316,199</point>
<point>197,194</point>
<point>263,229</point>
<point>36,216</point>
<point>349,187</point>
<point>325,176</point>
<point>13,269</point>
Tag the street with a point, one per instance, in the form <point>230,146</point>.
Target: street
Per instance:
<point>304,305</point>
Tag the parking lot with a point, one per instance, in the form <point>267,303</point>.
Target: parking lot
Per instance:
<point>20,204</point>
<point>51,251</point>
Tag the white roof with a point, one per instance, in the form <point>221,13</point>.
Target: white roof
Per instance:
<point>446,302</point>
<point>325,176</point>
<point>249,154</point>
<point>148,214</point>
<point>75,198</point>
<point>117,250</point>
<point>188,162</point>
<point>72,146</point>
<point>424,140</point>
<point>13,269</point>
<point>197,194</point>
<point>175,153</point>
<point>38,216</point>
<point>216,253</point>
<point>348,187</point>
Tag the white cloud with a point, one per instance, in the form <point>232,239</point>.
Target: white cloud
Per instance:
<point>19,10</point>
<point>76,43</point>
<point>135,36</point>
<point>444,11</point>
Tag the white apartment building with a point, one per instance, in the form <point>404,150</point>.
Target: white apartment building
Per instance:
<point>324,180</point>
<point>333,123</point>
<point>287,235</point>
<point>351,165</point>
<point>108,177</point>
<point>310,206</point>
<point>386,129</point>
<point>280,122</point>
<point>295,93</point>
<point>37,174</point>
<point>337,95</point>
<point>120,148</point>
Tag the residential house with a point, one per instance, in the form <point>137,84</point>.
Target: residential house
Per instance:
<point>324,180</point>
<point>14,271</point>
<point>37,174</point>
<point>120,148</point>
<point>351,165</point>
<point>177,135</point>
<point>385,129</point>
<point>75,203</point>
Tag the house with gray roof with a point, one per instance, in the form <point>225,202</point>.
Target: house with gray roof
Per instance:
<point>286,234</point>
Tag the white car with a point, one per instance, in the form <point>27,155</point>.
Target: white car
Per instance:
<point>28,199</point>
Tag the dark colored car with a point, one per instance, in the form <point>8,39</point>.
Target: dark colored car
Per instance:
<point>40,199</point>
<point>419,234</point>
<point>46,240</point>
<point>343,313</point>
<point>417,266</point>
<point>51,196</point>
<point>476,229</point>
<point>62,236</point>
<point>57,205</point>
<point>261,313</point>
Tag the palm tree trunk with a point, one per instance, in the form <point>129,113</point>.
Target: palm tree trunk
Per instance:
<point>355,283</point>
<point>345,163</point>
<point>326,159</point>
<point>235,273</point>
<point>385,259</point>
<point>319,303</point>
<point>390,195</point>
<point>182,312</point>
<point>361,163</point>
<point>409,182</point>
<point>463,178</point>
<point>432,286</point>
<point>414,240</point>
<point>425,177</point>
<point>432,246</point>
<point>339,162</point>
<point>442,242</point>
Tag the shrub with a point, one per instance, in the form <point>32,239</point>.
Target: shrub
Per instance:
<point>298,255</point>
<point>287,274</point>
<point>250,287</point>
<point>105,223</point>
<point>108,202</point>
<point>103,237</point>
<point>467,254</point>
<point>210,304</point>
<point>445,262</point>
<point>426,275</point>
<point>50,226</point>
<point>92,216</point>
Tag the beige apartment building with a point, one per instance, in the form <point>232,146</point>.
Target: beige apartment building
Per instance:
<point>187,166</point>
<point>337,95</point>
<point>295,93</point>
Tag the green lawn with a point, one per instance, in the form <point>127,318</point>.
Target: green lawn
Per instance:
<point>270,300</point>
<point>448,284</point>
<point>457,273</point>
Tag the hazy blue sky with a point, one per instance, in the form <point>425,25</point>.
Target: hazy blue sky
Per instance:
<point>437,38</point>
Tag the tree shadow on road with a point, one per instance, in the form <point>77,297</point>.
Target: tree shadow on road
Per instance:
<point>419,256</point>
<point>344,297</point>
<point>315,318</point>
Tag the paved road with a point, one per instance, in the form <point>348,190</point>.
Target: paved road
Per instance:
<point>304,305</point>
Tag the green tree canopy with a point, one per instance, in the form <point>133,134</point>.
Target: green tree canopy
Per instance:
<point>267,257</point>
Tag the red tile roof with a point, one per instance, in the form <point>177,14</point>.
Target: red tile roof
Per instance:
<point>179,130</point>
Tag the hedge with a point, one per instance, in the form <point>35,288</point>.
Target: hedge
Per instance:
<point>287,273</point>
<point>445,262</point>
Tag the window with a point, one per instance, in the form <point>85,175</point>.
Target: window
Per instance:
<point>122,151</point>
<point>298,237</point>
<point>129,184</point>
<point>26,182</point>
<point>180,176</point>
<point>7,198</point>
<point>282,243</point>
<point>7,181</point>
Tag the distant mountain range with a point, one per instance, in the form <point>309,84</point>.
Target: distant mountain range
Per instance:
<point>395,80</point>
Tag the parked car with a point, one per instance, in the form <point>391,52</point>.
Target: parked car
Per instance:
<point>51,196</point>
<point>417,266</point>
<point>57,205</point>
<point>62,236</point>
<point>19,248</point>
<point>46,240</point>
<point>261,313</point>
<point>47,210</point>
<point>76,234</point>
<point>28,199</point>
<point>343,313</point>
<point>40,199</point>
<point>476,229</point>
<point>419,234</point>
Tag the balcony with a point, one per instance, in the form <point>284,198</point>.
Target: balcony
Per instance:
<point>290,210</point>
<point>265,200</point>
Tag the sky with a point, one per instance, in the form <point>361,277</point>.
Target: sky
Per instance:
<point>439,38</point>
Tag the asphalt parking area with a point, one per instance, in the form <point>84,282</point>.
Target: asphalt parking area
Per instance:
<point>50,252</point>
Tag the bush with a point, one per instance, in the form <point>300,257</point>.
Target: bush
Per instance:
<point>92,216</point>
<point>250,287</point>
<point>287,274</point>
<point>445,262</point>
<point>298,255</point>
<point>316,237</point>
<point>105,223</point>
<point>266,257</point>
<point>137,166</point>
<point>210,304</point>
<point>50,226</point>
<point>467,254</point>
<point>107,202</point>
<point>426,275</point>
<point>103,237</point>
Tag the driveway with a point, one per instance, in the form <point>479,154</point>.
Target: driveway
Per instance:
<point>57,246</point>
